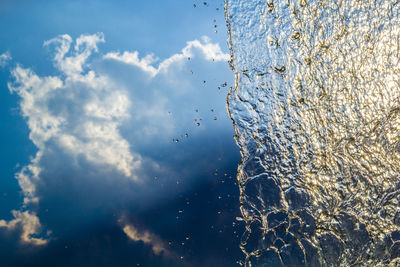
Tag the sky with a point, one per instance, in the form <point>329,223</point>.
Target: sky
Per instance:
<point>117,149</point>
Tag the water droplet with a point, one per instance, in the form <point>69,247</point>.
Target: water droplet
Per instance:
<point>239,218</point>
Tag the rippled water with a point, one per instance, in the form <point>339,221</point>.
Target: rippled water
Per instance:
<point>317,114</point>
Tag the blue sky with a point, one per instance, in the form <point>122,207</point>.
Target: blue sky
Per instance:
<point>117,147</point>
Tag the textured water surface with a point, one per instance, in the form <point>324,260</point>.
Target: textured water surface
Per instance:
<point>317,115</point>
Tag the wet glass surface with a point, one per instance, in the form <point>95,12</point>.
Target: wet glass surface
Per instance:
<point>317,116</point>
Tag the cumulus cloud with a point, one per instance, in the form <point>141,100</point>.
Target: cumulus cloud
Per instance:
<point>85,45</point>
<point>4,59</point>
<point>162,83</point>
<point>82,112</point>
<point>209,50</point>
<point>79,111</point>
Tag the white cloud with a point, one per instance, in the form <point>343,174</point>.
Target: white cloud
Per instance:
<point>132,58</point>
<point>4,59</point>
<point>85,45</point>
<point>81,113</point>
<point>29,225</point>
<point>168,82</point>
<point>157,245</point>
<point>209,50</point>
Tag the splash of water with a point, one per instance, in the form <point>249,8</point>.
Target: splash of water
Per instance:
<point>317,115</point>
